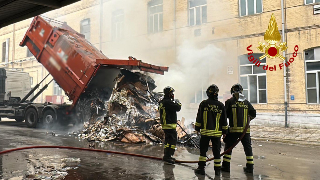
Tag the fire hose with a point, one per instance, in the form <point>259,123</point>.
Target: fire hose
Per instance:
<point>122,153</point>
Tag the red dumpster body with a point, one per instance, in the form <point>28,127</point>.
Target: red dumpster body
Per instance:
<point>74,63</point>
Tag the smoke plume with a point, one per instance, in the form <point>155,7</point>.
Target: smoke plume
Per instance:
<point>194,70</point>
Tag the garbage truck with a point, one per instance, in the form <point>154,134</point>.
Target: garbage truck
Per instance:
<point>78,67</point>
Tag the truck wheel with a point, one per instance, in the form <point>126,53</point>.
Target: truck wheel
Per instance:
<point>19,119</point>
<point>49,117</point>
<point>31,118</point>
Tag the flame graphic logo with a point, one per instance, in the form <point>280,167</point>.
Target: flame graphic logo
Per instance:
<point>272,36</point>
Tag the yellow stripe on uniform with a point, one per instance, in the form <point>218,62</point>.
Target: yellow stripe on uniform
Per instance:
<point>226,160</point>
<point>245,118</point>
<point>198,124</point>
<point>234,112</point>
<point>217,160</point>
<point>209,132</point>
<point>238,129</point>
<point>227,155</point>
<point>169,126</point>
<point>173,146</point>
<point>164,114</point>
<point>217,121</point>
<point>202,158</point>
<point>224,127</point>
<point>205,116</point>
<point>249,159</point>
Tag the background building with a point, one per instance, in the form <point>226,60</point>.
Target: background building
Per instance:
<point>202,42</point>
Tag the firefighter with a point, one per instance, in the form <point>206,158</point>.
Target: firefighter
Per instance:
<point>168,108</point>
<point>212,123</point>
<point>238,110</point>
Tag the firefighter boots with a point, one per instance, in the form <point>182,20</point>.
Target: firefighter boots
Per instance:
<point>217,171</point>
<point>200,170</point>
<point>225,166</point>
<point>169,160</point>
<point>168,156</point>
<point>248,168</point>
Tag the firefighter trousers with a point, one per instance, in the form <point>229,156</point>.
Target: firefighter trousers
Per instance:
<point>170,142</point>
<point>230,139</point>
<point>216,147</point>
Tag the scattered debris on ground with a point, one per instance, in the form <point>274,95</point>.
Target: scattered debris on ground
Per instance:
<point>50,167</point>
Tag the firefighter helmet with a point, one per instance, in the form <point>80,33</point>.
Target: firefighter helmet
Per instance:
<point>168,90</point>
<point>236,88</point>
<point>212,89</point>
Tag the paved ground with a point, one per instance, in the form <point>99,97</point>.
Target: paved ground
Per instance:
<point>272,160</point>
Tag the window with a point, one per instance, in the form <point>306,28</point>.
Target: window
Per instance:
<point>5,51</point>
<point>29,54</point>
<point>197,12</point>
<point>155,10</point>
<point>253,79</point>
<point>199,97</point>
<point>312,66</point>
<point>249,7</point>
<point>311,1</point>
<point>117,24</point>
<point>56,89</point>
<point>85,28</point>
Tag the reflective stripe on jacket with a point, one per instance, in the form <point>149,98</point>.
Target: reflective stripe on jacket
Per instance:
<point>211,118</point>
<point>237,113</point>
<point>168,113</point>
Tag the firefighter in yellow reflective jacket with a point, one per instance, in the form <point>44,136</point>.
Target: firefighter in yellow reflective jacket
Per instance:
<point>212,123</point>
<point>238,110</point>
<point>168,108</point>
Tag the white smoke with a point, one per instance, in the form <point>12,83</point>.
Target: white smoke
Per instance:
<point>194,70</point>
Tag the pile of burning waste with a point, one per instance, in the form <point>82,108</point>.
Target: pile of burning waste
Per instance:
<point>131,114</point>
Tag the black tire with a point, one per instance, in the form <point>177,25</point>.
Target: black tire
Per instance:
<point>31,118</point>
<point>19,119</point>
<point>49,117</point>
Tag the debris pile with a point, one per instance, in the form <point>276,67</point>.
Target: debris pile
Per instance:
<point>131,114</point>
<point>106,131</point>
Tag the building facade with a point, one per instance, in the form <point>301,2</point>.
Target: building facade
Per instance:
<point>202,42</point>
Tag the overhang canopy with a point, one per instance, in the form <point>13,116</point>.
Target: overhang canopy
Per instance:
<point>12,11</point>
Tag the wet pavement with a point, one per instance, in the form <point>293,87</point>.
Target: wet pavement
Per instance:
<point>272,160</point>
